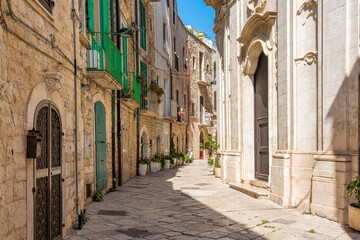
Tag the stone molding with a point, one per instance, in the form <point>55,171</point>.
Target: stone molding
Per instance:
<point>52,81</point>
<point>309,58</point>
<point>258,45</point>
<point>256,8</point>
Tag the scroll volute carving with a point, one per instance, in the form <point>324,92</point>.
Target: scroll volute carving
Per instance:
<point>256,6</point>
<point>52,81</point>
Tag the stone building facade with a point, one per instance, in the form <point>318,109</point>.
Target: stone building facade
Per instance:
<point>202,118</point>
<point>287,75</point>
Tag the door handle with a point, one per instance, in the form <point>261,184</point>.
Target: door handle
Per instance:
<point>102,160</point>
<point>102,141</point>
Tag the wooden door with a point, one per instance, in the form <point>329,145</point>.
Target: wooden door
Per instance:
<point>47,171</point>
<point>261,120</point>
<point>100,146</point>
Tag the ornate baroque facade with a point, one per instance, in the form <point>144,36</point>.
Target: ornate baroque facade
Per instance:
<point>288,99</point>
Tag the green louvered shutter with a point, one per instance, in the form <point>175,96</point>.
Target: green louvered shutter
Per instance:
<point>90,12</point>
<point>125,63</point>
<point>142,26</point>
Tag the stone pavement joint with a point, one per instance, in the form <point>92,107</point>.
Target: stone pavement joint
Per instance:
<point>190,203</point>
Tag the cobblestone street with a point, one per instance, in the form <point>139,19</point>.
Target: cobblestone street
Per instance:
<point>190,203</point>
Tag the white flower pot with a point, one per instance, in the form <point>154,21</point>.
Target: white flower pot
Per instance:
<point>153,167</point>
<point>142,169</point>
<point>354,217</point>
<point>167,164</point>
<point>182,161</point>
<point>217,172</point>
<point>174,164</point>
<point>158,167</point>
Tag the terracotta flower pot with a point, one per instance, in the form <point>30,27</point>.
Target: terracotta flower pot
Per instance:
<point>354,217</point>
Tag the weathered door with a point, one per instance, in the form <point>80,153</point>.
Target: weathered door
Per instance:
<point>261,120</point>
<point>47,169</point>
<point>100,146</point>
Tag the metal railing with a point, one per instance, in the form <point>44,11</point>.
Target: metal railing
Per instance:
<point>103,55</point>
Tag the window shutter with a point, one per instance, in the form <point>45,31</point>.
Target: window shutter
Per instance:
<point>47,4</point>
<point>90,20</point>
<point>142,26</point>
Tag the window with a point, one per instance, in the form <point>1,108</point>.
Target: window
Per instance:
<point>194,63</point>
<point>201,64</point>
<point>151,26</point>
<point>165,37</point>
<point>177,97</point>
<point>214,70</point>
<point>142,26</point>
<point>82,15</point>
<point>175,45</point>
<point>174,12</point>
<point>185,101</point>
<point>184,58</point>
<point>215,101</point>
<point>47,4</point>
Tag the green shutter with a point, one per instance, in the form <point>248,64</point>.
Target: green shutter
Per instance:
<point>142,26</point>
<point>143,70</point>
<point>104,19</point>
<point>125,64</point>
<point>91,22</point>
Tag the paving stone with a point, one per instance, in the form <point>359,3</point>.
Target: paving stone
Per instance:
<point>170,207</point>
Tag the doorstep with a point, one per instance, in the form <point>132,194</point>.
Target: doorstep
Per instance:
<point>252,191</point>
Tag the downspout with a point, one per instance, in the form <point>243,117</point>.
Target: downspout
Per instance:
<point>188,91</point>
<point>78,217</point>
<point>112,106</point>
<point>118,105</point>
<point>137,110</point>
<point>113,137</point>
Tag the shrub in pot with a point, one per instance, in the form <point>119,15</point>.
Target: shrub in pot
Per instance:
<point>173,157</point>
<point>187,158</point>
<point>182,156</point>
<point>354,208</point>
<point>144,162</point>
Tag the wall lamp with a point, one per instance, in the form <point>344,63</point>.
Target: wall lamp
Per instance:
<point>85,87</point>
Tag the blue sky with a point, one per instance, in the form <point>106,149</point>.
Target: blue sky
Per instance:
<point>196,13</point>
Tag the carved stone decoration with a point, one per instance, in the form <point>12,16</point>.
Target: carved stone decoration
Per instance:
<point>309,58</point>
<point>52,80</point>
<point>256,6</point>
<point>307,4</point>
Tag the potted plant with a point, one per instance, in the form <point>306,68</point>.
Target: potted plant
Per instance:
<point>153,165</point>
<point>143,166</point>
<point>173,157</point>
<point>167,162</point>
<point>217,169</point>
<point>210,161</point>
<point>354,208</point>
<point>187,158</point>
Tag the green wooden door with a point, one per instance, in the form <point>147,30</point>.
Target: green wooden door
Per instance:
<point>100,146</point>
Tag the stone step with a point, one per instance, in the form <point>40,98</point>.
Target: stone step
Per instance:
<point>252,191</point>
<point>259,183</point>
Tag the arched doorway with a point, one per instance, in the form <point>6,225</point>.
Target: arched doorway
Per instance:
<point>100,146</point>
<point>144,145</point>
<point>47,172</point>
<point>261,119</point>
<point>202,149</point>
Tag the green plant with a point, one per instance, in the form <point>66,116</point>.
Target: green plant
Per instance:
<point>172,145</point>
<point>144,160</point>
<point>312,231</point>
<point>84,219</point>
<point>354,188</point>
<point>211,161</point>
<point>182,155</point>
<point>306,213</point>
<point>162,158</point>
<point>187,158</point>
<point>217,164</point>
<point>98,196</point>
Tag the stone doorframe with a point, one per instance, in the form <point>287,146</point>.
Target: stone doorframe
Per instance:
<point>43,91</point>
<point>258,35</point>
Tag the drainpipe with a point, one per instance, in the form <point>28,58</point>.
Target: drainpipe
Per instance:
<point>118,105</point>
<point>188,91</point>
<point>78,217</point>
<point>113,137</point>
<point>137,110</point>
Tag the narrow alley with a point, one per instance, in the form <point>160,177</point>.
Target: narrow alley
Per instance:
<point>190,203</point>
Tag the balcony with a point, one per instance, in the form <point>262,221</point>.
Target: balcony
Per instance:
<point>104,62</point>
<point>130,94</point>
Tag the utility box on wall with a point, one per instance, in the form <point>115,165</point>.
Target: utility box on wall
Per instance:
<point>33,149</point>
